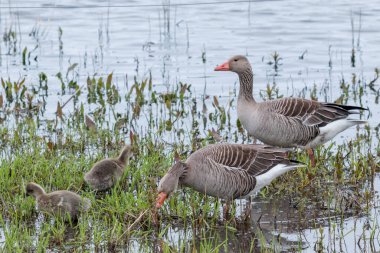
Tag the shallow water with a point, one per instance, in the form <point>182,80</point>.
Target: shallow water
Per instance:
<point>338,234</point>
<point>102,40</point>
<point>184,43</point>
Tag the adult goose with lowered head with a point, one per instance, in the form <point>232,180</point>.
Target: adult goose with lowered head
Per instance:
<point>288,122</point>
<point>227,171</point>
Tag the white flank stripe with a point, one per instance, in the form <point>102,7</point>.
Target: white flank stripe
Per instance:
<point>266,178</point>
<point>60,202</point>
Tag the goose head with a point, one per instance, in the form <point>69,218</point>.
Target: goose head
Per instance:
<point>237,64</point>
<point>34,190</point>
<point>169,183</point>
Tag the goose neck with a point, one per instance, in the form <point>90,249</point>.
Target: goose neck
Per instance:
<point>124,155</point>
<point>246,85</point>
<point>39,192</point>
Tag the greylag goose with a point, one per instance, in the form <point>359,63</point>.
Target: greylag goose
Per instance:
<point>227,171</point>
<point>104,174</point>
<point>58,202</point>
<point>288,122</point>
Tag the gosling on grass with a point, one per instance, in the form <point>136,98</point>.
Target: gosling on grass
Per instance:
<point>105,173</point>
<point>60,203</point>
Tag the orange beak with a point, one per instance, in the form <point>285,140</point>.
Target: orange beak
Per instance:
<point>161,199</point>
<point>224,67</point>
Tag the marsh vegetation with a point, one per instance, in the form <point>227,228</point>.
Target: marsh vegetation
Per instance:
<point>63,108</point>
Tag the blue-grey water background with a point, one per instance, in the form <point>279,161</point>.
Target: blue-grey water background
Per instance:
<point>184,43</point>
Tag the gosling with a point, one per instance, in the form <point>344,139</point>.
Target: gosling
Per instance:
<point>59,203</point>
<point>105,173</point>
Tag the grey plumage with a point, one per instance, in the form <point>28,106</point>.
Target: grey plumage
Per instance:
<point>60,203</point>
<point>228,171</point>
<point>105,173</point>
<point>287,122</point>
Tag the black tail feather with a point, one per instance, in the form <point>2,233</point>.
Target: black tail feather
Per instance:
<point>347,107</point>
<point>297,162</point>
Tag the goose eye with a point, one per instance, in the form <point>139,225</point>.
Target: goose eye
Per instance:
<point>236,60</point>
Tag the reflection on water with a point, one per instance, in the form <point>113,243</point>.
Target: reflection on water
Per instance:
<point>278,223</point>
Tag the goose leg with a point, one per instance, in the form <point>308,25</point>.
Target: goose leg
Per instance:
<point>226,210</point>
<point>310,152</point>
<point>248,210</point>
<point>155,217</point>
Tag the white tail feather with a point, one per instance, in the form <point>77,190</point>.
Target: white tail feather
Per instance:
<point>358,121</point>
<point>332,129</point>
<point>266,178</point>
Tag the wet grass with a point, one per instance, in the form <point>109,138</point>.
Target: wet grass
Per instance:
<point>55,147</point>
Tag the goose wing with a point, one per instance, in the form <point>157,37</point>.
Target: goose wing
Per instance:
<point>60,201</point>
<point>104,170</point>
<point>254,159</point>
<point>309,112</point>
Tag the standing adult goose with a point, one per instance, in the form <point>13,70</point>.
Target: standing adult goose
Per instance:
<point>227,171</point>
<point>288,122</point>
<point>58,202</point>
